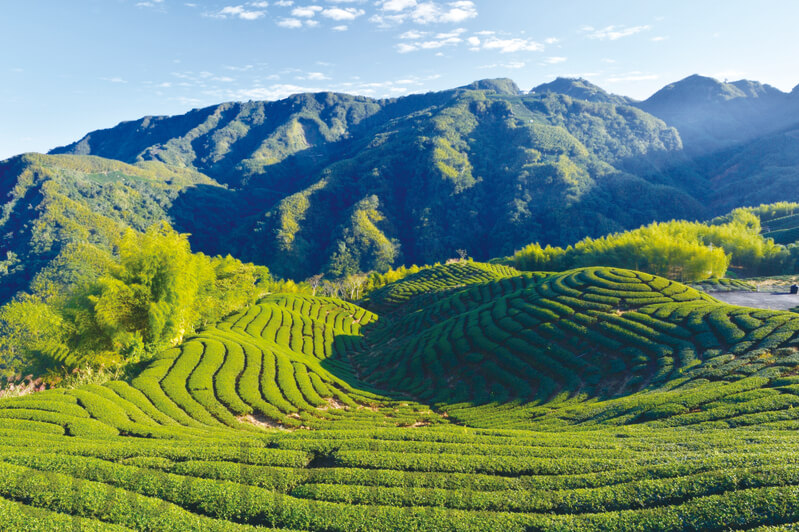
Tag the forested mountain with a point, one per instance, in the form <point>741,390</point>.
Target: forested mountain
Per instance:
<point>55,200</point>
<point>338,183</point>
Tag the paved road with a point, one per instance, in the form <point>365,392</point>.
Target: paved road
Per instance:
<point>769,300</point>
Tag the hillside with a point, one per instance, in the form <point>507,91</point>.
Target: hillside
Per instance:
<point>340,183</point>
<point>50,201</point>
<point>528,401</point>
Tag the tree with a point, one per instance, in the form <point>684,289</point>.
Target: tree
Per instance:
<point>314,281</point>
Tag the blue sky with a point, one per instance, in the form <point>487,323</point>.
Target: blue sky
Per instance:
<point>68,67</point>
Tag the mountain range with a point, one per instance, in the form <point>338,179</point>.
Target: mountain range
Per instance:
<point>336,183</point>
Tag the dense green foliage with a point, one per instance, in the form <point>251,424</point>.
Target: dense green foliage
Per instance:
<point>50,202</point>
<point>336,184</point>
<point>686,251</point>
<point>609,399</point>
<point>582,395</point>
<point>408,180</point>
<point>92,306</point>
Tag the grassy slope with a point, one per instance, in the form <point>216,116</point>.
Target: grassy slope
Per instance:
<point>559,401</point>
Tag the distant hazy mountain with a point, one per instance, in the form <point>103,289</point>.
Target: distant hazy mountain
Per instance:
<point>710,114</point>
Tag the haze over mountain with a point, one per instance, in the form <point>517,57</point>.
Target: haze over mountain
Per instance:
<point>339,183</point>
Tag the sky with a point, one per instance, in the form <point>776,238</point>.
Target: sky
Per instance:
<point>68,67</point>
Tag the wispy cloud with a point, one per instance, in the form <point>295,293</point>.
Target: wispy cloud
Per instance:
<point>345,13</point>
<point>291,23</point>
<point>241,12</point>
<point>612,33</point>
<point>150,3</point>
<point>553,60</point>
<point>392,12</point>
<point>314,76</point>
<point>306,11</point>
<point>438,40</point>
<point>507,46</point>
<point>483,40</point>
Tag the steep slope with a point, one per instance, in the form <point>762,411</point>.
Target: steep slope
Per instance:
<point>339,183</point>
<point>51,200</point>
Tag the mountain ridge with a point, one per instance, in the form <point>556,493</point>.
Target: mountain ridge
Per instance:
<point>339,183</point>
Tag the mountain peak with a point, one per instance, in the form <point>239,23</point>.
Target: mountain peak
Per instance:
<point>579,88</point>
<point>498,85</point>
<point>700,90</point>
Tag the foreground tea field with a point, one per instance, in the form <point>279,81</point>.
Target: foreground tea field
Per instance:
<point>464,397</point>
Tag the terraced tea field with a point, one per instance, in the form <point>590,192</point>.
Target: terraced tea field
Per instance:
<point>464,397</point>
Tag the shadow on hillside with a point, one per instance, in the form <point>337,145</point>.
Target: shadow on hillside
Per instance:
<point>341,366</point>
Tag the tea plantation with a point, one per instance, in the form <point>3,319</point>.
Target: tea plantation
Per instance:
<point>467,396</point>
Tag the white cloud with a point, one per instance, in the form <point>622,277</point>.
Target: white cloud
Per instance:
<point>240,12</point>
<point>613,33</point>
<point>262,5</point>
<point>115,79</point>
<point>340,28</point>
<point>397,5</point>
<point>506,46</point>
<point>284,3</point>
<point>659,38</point>
<point>291,23</point>
<point>450,34</point>
<point>305,11</point>
<point>239,68</point>
<point>311,23</point>
<point>551,40</point>
<point>459,11</point>
<point>404,48</point>
<point>316,76</point>
<point>345,13</point>
<point>412,34</point>
<point>554,60</point>
<point>427,12</point>
<point>431,45</point>
<point>474,41</point>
